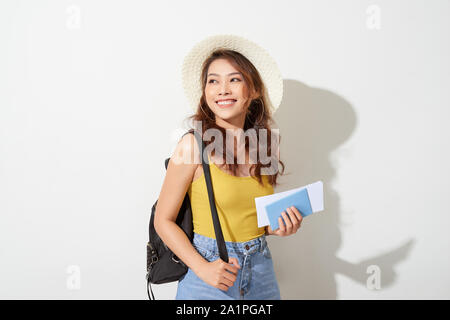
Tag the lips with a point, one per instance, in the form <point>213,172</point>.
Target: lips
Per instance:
<point>226,100</point>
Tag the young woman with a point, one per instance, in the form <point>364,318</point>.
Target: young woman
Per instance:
<point>226,79</point>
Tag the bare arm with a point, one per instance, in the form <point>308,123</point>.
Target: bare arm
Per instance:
<point>179,175</point>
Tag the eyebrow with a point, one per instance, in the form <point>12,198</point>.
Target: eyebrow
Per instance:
<point>215,74</point>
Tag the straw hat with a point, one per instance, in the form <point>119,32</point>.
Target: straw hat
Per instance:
<point>263,62</point>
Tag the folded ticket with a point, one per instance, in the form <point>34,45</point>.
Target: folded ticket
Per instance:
<point>274,202</point>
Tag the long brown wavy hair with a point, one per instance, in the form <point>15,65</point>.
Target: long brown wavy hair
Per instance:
<point>258,113</point>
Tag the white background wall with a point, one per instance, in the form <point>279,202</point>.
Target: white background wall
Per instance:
<point>91,104</point>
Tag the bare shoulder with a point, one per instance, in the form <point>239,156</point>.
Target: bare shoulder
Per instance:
<point>179,174</point>
<point>187,151</point>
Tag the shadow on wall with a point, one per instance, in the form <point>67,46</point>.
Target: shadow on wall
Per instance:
<point>313,123</point>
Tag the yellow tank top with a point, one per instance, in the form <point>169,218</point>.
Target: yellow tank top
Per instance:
<point>235,203</point>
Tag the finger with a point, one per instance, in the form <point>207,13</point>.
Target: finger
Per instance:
<point>293,218</point>
<point>222,287</point>
<point>230,267</point>
<point>231,277</point>
<point>287,221</point>
<point>226,282</point>
<point>297,214</point>
<point>281,224</point>
<point>235,261</point>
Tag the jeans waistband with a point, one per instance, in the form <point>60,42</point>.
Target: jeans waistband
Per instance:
<point>247,247</point>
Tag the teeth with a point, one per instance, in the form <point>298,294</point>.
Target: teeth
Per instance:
<point>225,102</point>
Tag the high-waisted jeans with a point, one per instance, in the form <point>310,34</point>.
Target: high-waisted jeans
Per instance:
<point>255,280</point>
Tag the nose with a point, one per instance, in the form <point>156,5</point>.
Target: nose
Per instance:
<point>224,88</point>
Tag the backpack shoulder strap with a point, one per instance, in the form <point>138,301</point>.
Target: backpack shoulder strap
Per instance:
<point>217,228</point>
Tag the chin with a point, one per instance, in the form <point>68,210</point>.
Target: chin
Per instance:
<point>232,112</point>
<point>227,114</point>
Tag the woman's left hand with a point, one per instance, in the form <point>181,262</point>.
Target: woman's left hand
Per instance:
<point>293,223</point>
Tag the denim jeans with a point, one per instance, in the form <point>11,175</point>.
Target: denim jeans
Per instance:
<point>255,280</point>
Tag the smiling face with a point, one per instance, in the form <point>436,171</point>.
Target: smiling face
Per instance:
<point>226,94</point>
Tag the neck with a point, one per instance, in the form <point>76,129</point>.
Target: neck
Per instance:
<point>234,125</point>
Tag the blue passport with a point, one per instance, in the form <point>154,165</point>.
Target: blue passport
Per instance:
<point>299,199</point>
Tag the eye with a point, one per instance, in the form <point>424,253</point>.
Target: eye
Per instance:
<point>210,81</point>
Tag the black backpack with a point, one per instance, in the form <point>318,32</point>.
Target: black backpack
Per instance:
<point>162,264</point>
